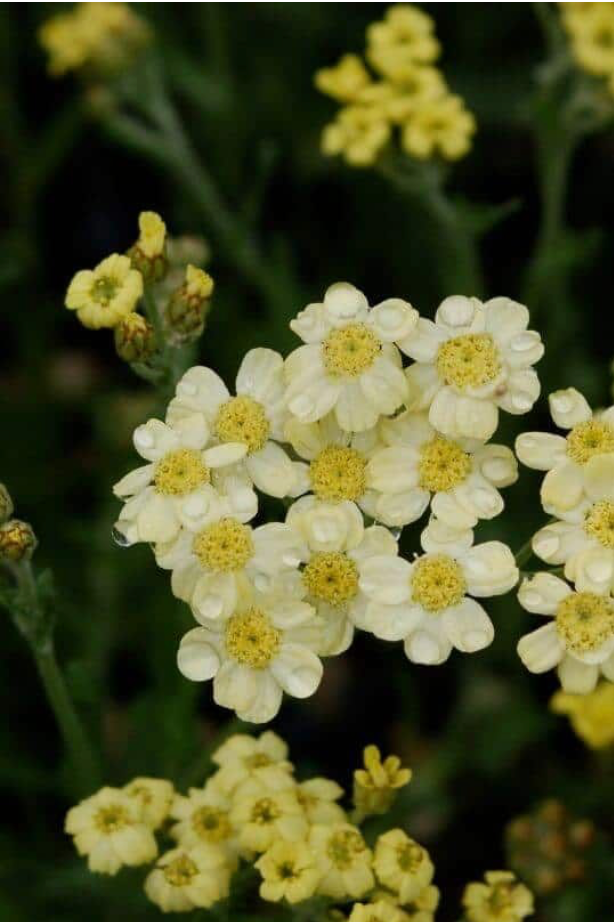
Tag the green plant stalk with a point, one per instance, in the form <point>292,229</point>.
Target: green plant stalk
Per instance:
<point>40,639</point>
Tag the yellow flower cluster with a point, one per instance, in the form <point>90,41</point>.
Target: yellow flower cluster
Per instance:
<point>408,94</point>
<point>590,27</point>
<point>94,38</point>
<point>500,898</point>
<point>591,716</point>
<point>253,809</point>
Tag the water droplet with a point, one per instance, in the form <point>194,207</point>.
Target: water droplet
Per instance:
<point>119,537</point>
<point>395,531</point>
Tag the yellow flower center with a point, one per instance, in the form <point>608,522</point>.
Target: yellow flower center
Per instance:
<point>251,638</point>
<point>584,621</point>
<point>437,582</point>
<point>471,360</point>
<point>501,898</point>
<point>599,523</point>
<point>141,793</point>
<point>331,577</point>
<point>111,819</point>
<point>287,871</point>
<point>338,473</point>
<point>350,350</point>
<point>179,873</point>
<point>104,290</point>
<point>224,546</point>
<point>589,439</point>
<point>181,472</point>
<point>409,857</point>
<point>242,419</point>
<point>443,465</point>
<point>343,846</point>
<point>258,760</point>
<point>264,812</point>
<point>211,824</point>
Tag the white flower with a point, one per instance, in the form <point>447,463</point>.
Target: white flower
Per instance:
<point>252,421</point>
<point>211,567</point>
<point>579,639</point>
<point>580,466</point>
<point>331,576</point>
<point>461,478</point>
<point>350,363</point>
<point>426,603</point>
<point>263,649</point>
<point>178,486</point>
<point>474,360</point>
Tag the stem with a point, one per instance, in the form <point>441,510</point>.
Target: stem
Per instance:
<point>524,553</point>
<point>201,765</point>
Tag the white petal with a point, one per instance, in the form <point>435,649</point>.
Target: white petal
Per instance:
<point>568,408</point>
<point>277,546</point>
<point>521,391</point>
<point>459,416</point>
<point>392,622</point>
<point>541,451</point>
<point>353,412</point>
<point>305,438</point>
<point>298,670</point>
<point>607,668</point>
<point>490,569</point>
<point>577,678</point>
<point>543,593</point>
<point>424,341</point>
<point>344,302</point>
<point>422,385</point>
<point>458,314</point>
<point>157,521</point>
<point>236,686</point>
<point>541,650</point>
<point>271,470</point>
<point>193,430</point>
<point>557,542</point>
<point>221,455</point>
<point>384,385</point>
<point>497,464</point>
<point>505,318</point>
<point>428,646</point>
<point>393,470</point>
<point>197,657</point>
<point>468,627</point>
<point>261,375</point>
<point>450,512</point>
<point>599,477</point>
<point>407,429</point>
<point>439,538</point>
<point>134,482</point>
<point>385,579</point>
<point>393,319</point>
<point>327,526</point>
<point>479,497</point>
<point>563,486</point>
<point>398,509</point>
<point>313,399</point>
<point>311,324</point>
<point>593,570</point>
<point>377,541</point>
<point>154,439</point>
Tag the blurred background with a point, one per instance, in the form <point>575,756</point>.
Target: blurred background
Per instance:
<point>478,733</point>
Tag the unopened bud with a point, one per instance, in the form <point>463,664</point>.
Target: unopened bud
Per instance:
<point>187,310</point>
<point>135,338</point>
<point>6,504</point>
<point>148,254</point>
<point>17,541</point>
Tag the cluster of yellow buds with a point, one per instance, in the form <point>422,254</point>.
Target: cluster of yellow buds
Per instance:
<point>96,39</point>
<point>549,848</point>
<point>408,94</point>
<point>591,716</point>
<point>112,295</point>
<point>590,27</point>
<point>17,539</point>
<point>253,809</point>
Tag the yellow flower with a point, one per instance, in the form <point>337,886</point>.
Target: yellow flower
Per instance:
<point>288,872</point>
<point>17,540</point>
<point>104,295</point>
<point>379,911</point>
<point>198,283</point>
<point>439,126</point>
<point>108,828</point>
<point>359,133</point>
<point>500,899</point>
<point>402,865</point>
<point>405,36</point>
<point>267,817</point>
<point>103,37</point>
<point>317,797</point>
<point>154,797</point>
<point>419,909</point>
<point>413,88</point>
<point>184,880</point>
<point>263,759</point>
<point>152,234</point>
<point>591,32</point>
<point>204,817</point>
<point>591,716</point>
<point>376,785</point>
<point>343,859</point>
<point>345,80</point>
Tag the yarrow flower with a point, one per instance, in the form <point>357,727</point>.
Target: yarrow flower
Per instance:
<point>378,783</point>
<point>288,872</point>
<point>591,715</point>
<point>349,363</point>
<point>474,360</point>
<point>500,899</point>
<point>184,880</point>
<point>245,759</point>
<point>590,27</point>
<point>103,296</point>
<point>204,818</point>
<point>402,865</point>
<point>154,797</point>
<point>579,638</point>
<point>343,860</point>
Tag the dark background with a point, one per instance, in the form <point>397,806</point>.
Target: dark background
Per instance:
<point>477,731</point>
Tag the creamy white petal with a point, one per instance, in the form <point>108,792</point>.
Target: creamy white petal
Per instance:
<point>490,569</point>
<point>134,482</point>
<point>479,497</point>
<point>197,509</point>
<point>298,670</point>
<point>505,318</point>
<point>458,315</point>
<point>393,319</point>
<point>154,439</point>
<point>524,349</point>
<point>541,451</point>
<point>199,390</point>
<point>394,469</point>
<point>459,416</point>
<point>468,627</point>
<point>521,391</point>
<point>557,542</point>
<point>237,687</point>
<point>193,430</point>
<point>424,341</point>
<point>392,622</point>
<point>288,613</point>
<point>384,385</point>
<point>353,412</point>
<point>422,385</point>
<point>306,438</point>
<point>377,541</point>
<point>407,429</point>
<point>385,579</point>
<point>599,477</point>
<point>568,408</point>
<point>157,520</point>
<point>577,678</point>
<point>311,399</point>
<point>327,526</point>
<point>563,486</point>
<point>428,646</point>
<point>607,668</point>
<point>311,324</point>
<point>542,593</point>
<point>343,302</point>
<point>215,596</point>
<point>398,509</point>
<point>277,546</point>
<point>440,538</point>
<point>197,658</point>
<point>271,470</point>
<point>542,649</point>
<point>452,513</point>
<point>261,376</point>
<point>497,464</point>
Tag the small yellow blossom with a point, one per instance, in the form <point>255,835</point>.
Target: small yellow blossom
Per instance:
<point>154,797</point>
<point>376,786</point>
<point>404,37</point>
<point>289,872</point>
<point>402,865</point>
<point>198,283</point>
<point>343,859</point>
<point>440,126</point>
<point>379,911</point>
<point>421,908</point>
<point>102,296</point>
<point>265,818</point>
<point>345,80</point>
<point>108,828</point>
<point>359,133</point>
<point>204,816</point>
<point>152,234</point>
<point>243,758</point>
<point>17,540</point>
<point>500,899</point>
<point>590,27</point>
<point>317,797</point>
<point>183,880</point>
<point>591,716</point>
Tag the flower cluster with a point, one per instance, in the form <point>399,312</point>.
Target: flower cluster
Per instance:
<point>93,38</point>
<point>591,715</point>
<point>409,95</point>
<point>130,293</point>
<point>296,834</point>
<point>590,27</point>
<point>359,447</point>
<point>577,491</point>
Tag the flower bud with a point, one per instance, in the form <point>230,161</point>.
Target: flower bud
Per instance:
<point>6,504</point>
<point>148,254</point>
<point>135,338</point>
<point>188,307</point>
<point>17,541</point>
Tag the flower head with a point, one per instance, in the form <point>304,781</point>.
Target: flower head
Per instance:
<point>359,133</point>
<point>153,797</point>
<point>343,859</point>
<point>17,540</point>
<point>345,80</point>
<point>591,715</point>
<point>402,865</point>
<point>377,911</point>
<point>442,125</point>
<point>474,360</point>
<point>245,759</point>
<point>102,296</point>
<point>288,872</point>
<point>183,880</point>
<point>349,363</point>
<point>318,797</point>
<point>377,785</point>
<point>204,817</point>
<point>109,829</point>
<point>500,899</point>
<point>404,37</point>
<point>266,817</point>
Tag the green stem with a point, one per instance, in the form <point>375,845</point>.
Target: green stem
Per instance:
<point>524,553</point>
<point>202,764</point>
